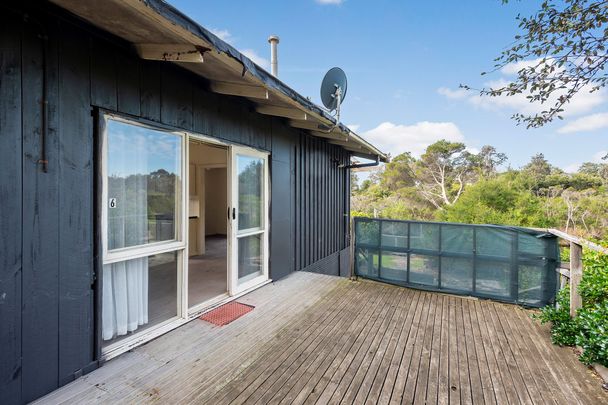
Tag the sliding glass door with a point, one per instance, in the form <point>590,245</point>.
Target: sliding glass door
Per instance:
<point>249,218</point>
<point>142,228</point>
<point>144,277</point>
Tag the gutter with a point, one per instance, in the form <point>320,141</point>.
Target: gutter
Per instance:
<point>361,165</point>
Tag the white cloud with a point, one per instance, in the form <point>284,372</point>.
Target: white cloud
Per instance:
<point>396,139</point>
<point>599,156</point>
<point>596,158</point>
<point>453,94</point>
<point>257,59</point>
<point>353,127</point>
<point>224,35</point>
<point>586,123</point>
<point>583,102</point>
<point>514,67</point>
<point>329,1</point>
<point>572,168</point>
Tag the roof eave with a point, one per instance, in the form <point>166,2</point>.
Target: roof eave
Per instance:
<point>162,15</point>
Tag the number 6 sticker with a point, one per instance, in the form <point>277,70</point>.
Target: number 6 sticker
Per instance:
<point>112,203</point>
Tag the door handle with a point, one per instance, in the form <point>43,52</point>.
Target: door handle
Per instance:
<point>233,213</point>
<point>228,212</point>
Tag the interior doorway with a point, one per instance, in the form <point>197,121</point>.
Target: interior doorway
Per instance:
<point>207,220</point>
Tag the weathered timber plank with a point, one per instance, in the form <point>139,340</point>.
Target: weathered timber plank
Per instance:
<point>489,396</point>
<point>313,376</point>
<point>378,368</point>
<point>290,370</point>
<point>409,366</point>
<point>544,390</point>
<point>392,350</point>
<point>435,354</point>
<point>463,364</point>
<point>373,356</point>
<point>453,365</point>
<point>352,376</point>
<point>75,205</point>
<point>171,383</point>
<point>477,395</point>
<point>498,350</point>
<point>419,395</point>
<point>10,215</point>
<point>40,209</point>
<point>399,355</point>
<point>330,378</point>
<point>518,381</point>
<point>341,377</point>
<point>443,386</point>
<point>291,342</point>
<point>127,83</point>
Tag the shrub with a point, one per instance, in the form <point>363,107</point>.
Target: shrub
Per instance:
<point>594,284</point>
<point>592,325</point>
<point>589,329</point>
<point>563,327</point>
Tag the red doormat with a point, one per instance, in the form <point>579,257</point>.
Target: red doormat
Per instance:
<point>226,313</point>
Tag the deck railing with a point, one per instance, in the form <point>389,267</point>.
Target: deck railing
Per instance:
<point>571,273</point>
<point>499,262</point>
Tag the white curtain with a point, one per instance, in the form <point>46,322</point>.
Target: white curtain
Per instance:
<point>125,284</point>
<point>125,297</point>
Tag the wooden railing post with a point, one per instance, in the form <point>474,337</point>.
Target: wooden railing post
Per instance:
<point>576,273</point>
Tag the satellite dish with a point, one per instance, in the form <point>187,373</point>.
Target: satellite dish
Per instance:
<point>333,89</point>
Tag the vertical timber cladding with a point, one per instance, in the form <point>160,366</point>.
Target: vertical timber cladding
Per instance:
<point>47,243</point>
<point>322,205</point>
<point>10,214</point>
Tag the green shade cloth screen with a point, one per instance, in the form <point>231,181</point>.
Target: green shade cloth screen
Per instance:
<point>509,264</point>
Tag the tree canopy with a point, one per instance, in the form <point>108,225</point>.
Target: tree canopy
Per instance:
<point>561,51</point>
<point>477,191</point>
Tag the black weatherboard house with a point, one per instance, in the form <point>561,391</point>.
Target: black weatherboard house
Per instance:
<point>151,171</point>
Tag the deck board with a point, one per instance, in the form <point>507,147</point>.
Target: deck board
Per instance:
<point>322,339</point>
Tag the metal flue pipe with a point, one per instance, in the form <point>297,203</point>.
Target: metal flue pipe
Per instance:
<point>274,64</point>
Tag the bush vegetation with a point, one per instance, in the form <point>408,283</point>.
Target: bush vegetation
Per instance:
<point>589,329</point>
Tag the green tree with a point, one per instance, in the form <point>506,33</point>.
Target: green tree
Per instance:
<point>442,172</point>
<point>354,182</point>
<point>497,201</point>
<point>399,172</point>
<point>488,160</point>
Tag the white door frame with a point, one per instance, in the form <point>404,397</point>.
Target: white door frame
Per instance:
<point>233,285</point>
<point>181,245</point>
<point>178,245</point>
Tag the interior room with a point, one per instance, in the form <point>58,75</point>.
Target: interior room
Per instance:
<point>208,191</point>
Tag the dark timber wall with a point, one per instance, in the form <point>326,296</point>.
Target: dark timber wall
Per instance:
<point>47,219</point>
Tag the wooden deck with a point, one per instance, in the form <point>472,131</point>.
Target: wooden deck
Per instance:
<point>321,339</point>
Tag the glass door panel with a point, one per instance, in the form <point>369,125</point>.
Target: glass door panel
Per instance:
<point>142,207</point>
<point>249,218</point>
<point>138,294</point>
<point>250,172</point>
<point>250,257</point>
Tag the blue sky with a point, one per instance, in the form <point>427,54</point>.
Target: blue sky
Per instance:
<point>404,61</point>
<point>135,149</point>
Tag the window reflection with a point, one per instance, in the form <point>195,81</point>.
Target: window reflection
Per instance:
<point>250,172</point>
<point>143,177</point>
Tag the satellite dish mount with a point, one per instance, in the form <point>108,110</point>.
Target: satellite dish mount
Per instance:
<point>333,92</point>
